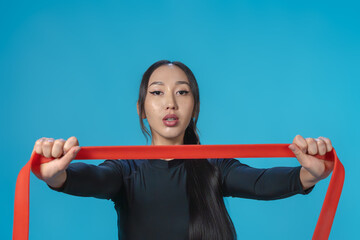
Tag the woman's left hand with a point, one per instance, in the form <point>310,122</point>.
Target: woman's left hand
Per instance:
<point>305,148</point>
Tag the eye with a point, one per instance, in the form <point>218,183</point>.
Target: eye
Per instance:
<point>183,92</point>
<point>155,93</point>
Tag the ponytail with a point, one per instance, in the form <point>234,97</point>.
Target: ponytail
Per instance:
<point>209,218</point>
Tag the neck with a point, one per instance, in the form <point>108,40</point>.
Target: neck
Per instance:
<point>163,141</point>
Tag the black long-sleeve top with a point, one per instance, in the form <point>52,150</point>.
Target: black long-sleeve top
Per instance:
<point>150,195</point>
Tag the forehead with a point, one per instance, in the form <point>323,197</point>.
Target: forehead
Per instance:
<point>168,74</point>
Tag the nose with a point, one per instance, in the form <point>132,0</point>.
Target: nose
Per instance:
<point>170,102</point>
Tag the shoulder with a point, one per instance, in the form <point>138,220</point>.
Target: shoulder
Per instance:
<point>126,166</point>
<point>225,163</point>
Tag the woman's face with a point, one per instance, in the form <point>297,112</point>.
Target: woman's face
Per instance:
<point>168,93</point>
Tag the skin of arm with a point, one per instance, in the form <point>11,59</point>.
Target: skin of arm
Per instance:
<point>57,181</point>
<point>307,180</point>
<point>313,169</point>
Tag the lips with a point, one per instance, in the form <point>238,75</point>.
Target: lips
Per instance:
<point>171,116</point>
<point>170,120</point>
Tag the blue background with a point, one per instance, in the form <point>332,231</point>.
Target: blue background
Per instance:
<point>267,71</point>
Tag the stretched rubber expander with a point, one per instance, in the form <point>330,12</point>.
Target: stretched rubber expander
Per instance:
<point>324,223</point>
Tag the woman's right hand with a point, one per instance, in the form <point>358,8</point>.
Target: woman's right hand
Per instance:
<point>53,172</point>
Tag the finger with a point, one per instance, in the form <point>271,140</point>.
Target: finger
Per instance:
<point>299,154</point>
<point>38,145</point>
<point>329,146</point>
<point>57,149</point>
<point>47,146</point>
<point>68,157</point>
<point>301,143</point>
<point>70,142</point>
<point>321,145</point>
<point>312,146</point>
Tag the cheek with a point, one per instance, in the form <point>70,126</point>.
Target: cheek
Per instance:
<point>188,104</point>
<point>151,108</point>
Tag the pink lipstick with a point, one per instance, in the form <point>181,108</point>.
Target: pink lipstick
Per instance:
<point>170,120</point>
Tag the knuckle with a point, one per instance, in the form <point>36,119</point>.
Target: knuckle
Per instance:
<point>39,141</point>
<point>321,142</point>
<point>59,141</point>
<point>297,137</point>
<point>327,142</point>
<point>72,140</point>
<point>47,143</point>
<point>310,140</point>
<point>76,142</point>
<point>325,139</point>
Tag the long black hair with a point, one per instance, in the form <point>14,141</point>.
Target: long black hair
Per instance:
<point>209,218</point>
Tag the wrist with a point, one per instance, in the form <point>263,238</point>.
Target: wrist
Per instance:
<point>57,181</point>
<point>307,179</point>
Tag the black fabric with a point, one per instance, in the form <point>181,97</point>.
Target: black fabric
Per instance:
<point>150,195</point>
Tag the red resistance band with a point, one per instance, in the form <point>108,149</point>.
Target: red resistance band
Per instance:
<point>323,226</point>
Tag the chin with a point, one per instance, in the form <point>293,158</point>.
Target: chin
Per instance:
<point>171,136</point>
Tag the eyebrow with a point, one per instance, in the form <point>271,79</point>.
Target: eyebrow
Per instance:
<point>177,83</point>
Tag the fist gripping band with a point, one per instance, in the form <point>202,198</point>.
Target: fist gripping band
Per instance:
<point>323,226</point>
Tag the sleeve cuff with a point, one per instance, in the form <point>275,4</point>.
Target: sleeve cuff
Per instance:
<point>307,191</point>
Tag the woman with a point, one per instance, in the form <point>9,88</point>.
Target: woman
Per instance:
<point>177,198</point>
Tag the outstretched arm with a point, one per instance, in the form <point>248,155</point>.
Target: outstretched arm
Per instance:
<point>241,180</point>
<point>88,180</point>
